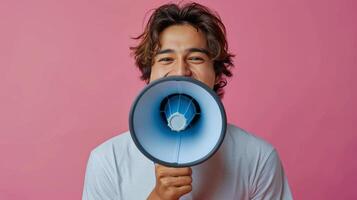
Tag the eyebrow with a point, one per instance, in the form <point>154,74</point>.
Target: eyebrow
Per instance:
<point>190,50</point>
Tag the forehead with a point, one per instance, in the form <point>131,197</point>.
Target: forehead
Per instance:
<point>182,36</point>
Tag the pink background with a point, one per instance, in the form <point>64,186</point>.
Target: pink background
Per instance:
<point>67,82</point>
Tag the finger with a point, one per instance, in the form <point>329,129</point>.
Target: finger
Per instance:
<point>183,189</point>
<point>162,171</point>
<point>176,181</point>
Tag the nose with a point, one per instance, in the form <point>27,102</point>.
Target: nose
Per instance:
<point>182,69</point>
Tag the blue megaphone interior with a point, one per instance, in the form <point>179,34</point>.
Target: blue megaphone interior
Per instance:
<point>179,111</point>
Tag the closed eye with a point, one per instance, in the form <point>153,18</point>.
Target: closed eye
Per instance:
<point>196,59</point>
<point>165,59</point>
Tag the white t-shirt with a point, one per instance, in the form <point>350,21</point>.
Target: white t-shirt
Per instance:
<point>245,167</point>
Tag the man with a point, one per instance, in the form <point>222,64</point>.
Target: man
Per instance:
<point>187,40</point>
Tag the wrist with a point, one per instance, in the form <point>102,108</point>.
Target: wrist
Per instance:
<point>153,196</point>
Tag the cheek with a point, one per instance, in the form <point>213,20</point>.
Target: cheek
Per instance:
<point>157,72</point>
<point>206,75</point>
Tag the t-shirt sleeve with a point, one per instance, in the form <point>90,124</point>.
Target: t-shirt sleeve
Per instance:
<point>99,182</point>
<point>271,182</point>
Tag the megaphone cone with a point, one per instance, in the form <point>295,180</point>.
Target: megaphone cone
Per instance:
<point>177,121</point>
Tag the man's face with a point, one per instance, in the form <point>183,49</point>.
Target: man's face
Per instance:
<point>183,53</point>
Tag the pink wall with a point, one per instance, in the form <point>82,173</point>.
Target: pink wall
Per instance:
<point>67,82</point>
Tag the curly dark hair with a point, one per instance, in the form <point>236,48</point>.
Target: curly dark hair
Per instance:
<point>196,15</point>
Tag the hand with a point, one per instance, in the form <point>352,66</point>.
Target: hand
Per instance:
<point>171,183</point>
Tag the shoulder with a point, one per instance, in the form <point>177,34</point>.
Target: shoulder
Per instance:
<point>108,151</point>
<point>247,141</point>
<point>118,141</point>
<point>247,150</point>
<point>260,160</point>
<point>102,177</point>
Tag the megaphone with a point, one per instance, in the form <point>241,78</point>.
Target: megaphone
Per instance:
<point>177,121</point>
